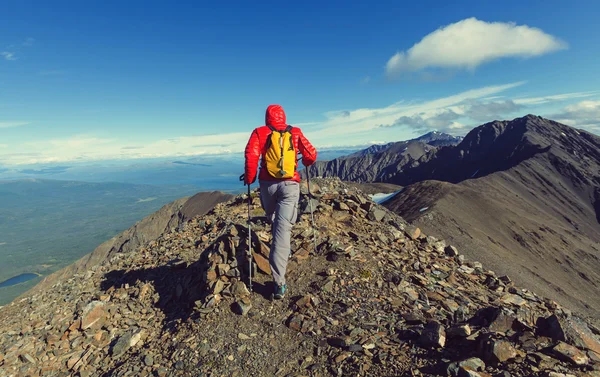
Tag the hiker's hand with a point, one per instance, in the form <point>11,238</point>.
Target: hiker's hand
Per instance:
<point>243,179</point>
<point>307,162</point>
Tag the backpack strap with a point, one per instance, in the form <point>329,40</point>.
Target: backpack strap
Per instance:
<point>273,129</point>
<point>289,129</point>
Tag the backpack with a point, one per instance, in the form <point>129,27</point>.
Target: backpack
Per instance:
<point>280,155</point>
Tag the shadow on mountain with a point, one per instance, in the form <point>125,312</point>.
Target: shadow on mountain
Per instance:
<point>179,287</point>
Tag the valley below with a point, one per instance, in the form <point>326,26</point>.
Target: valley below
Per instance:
<point>46,225</point>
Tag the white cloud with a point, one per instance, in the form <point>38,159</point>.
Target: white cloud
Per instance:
<point>12,124</point>
<point>486,111</point>
<point>553,98</point>
<point>403,120</point>
<point>356,123</point>
<point>456,126</point>
<point>585,114</point>
<point>90,148</point>
<point>8,55</point>
<point>470,43</point>
<point>28,42</point>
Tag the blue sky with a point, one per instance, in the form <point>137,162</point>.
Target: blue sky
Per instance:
<point>106,80</point>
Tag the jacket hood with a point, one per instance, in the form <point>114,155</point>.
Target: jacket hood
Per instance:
<point>275,116</point>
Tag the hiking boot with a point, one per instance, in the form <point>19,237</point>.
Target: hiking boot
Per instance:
<point>279,291</point>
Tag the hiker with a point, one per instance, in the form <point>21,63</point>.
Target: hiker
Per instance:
<point>277,145</point>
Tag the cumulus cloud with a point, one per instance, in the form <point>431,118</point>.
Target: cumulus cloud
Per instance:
<point>446,119</point>
<point>423,123</point>
<point>470,43</point>
<point>585,114</point>
<point>456,126</point>
<point>486,111</point>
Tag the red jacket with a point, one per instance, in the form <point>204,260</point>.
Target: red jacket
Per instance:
<point>255,148</point>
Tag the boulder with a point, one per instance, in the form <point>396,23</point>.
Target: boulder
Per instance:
<point>412,231</point>
<point>239,289</point>
<point>295,322</point>
<point>94,315</point>
<point>571,354</point>
<point>434,335</point>
<point>451,251</point>
<point>126,341</point>
<point>376,214</point>
<point>473,363</point>
<point>461,331</point>
<point>308,205</point>
<point>497,350</point>
<point>262,263</point>
<point>341,206</point>
<point>513,299</point>
<point>243,306</point>
<point>569,329</point>
<point>503,321</point>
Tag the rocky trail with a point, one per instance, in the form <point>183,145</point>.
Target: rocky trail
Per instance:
<point>376,297</point>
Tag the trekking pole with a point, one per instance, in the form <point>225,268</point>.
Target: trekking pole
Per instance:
<point>312,215</point>
<point>249,251</point>
<point>249,242</point>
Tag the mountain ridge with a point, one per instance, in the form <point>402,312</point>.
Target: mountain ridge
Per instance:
<point>370,164</point>
<point>375,297</point>
<point>525,190</point>
<point>500,145</point>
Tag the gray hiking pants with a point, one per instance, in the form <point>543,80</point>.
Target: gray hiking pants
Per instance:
<point>280,201</point>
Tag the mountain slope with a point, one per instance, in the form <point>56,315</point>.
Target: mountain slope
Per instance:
<point>369,164</point>
<point>521,196</point>
<point>375,298</point>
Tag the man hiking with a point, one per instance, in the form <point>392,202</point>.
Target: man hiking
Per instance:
<point>277,145</point>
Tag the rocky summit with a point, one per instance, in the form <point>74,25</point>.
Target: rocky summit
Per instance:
<point>369,295</point>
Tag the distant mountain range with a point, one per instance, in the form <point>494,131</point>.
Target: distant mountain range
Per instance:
<point>380,162</point>
<point>522,196</point>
